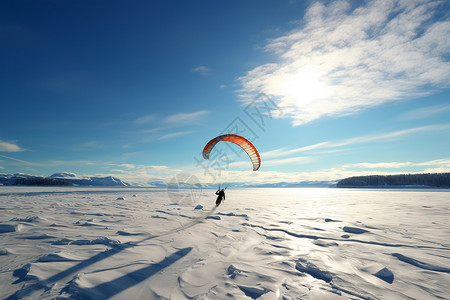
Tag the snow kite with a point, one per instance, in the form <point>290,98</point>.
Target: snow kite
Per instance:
<point>238,140</point>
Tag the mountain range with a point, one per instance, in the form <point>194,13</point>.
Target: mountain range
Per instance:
<point>63,178</point>
<point>71,179</point>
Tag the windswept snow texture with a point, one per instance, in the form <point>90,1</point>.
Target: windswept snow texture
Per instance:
<point>124,243</point>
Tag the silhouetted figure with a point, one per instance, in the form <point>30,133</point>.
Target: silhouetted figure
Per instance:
<point>220,197</point>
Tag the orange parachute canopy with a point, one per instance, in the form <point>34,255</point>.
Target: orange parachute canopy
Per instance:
<point>238,140</point>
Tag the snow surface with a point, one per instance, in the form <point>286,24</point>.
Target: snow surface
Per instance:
<point>84,243</point>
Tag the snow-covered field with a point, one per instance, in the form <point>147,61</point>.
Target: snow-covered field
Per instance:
<point>96,243</point>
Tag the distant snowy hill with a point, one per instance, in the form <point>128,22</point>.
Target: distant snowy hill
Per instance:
<point>91,181</point>
<point>24,179</point>
<point>65,175</point>
<point>10,179</point>
<point>19,178</point>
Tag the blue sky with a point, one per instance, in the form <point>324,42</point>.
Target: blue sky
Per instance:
<point>135,89</point>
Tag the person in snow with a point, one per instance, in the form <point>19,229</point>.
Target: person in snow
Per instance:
<point>220,196</point>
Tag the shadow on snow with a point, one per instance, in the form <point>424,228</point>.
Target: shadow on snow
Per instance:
<point>115,286</point>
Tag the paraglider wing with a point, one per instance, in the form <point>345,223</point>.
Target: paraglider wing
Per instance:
<point>238,140</point>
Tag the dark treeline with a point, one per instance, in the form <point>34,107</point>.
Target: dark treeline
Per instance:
<point>42,181</point>
<point>429,179</point>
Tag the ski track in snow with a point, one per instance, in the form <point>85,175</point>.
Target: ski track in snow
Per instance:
<point>89,243</point>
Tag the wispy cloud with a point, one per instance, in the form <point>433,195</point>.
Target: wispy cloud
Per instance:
<point>387,136</point>
<point>73,163</point>
<point>167,125</point>
<point>129,168</point>
<point>285,152</point>
<point>290,160</point>
<point>10,147</point>
<point>185,118</point>
<point>441,164</point>
<point>245,164</point>
<point>170,120</point>
<point>174,134</point>
<point>126,166</point>
<point>164,136</point>
<point>89,146</point>
<point>292,177</point>
<point>202,70</point>
<point>143,174</point>
<point>145,119</point>
<point>382,165</point>
<point>151,130</point>
<point>342,60</point>
<point>20,160</point>
<point>425,112</point>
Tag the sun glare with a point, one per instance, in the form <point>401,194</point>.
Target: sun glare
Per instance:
<point>303,86</point>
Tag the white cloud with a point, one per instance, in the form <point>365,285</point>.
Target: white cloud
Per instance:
<point>387,136</point>
<point>184,118</point>
<point>386,165</point>
<point>284,151</point>
<point>444,169</point>
<point>10,147</point>
<point>342,60</point>
<point>266,163</point>
<point>155,137</point>
<point>20,160</point>
<point>333,151</point>
<point>203,70</point>
<point>174,134</point>
<point>169,123</point>
<point>145,119</point>
<point>127,166</point>
<point>251,177</point>
<point>139,168</point>
<point>144,174</point>
<point>158,168</point>
<point>151,130</point>
<point>73,162</point>
<point>425,112</point>
<point>442,164</point>
<point>439,162</point>
<point>290,160</point>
